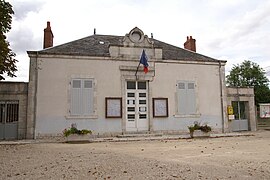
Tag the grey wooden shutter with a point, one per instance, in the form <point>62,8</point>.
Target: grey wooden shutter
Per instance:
<point>76,97</point>
<point>88,96</point>
<point>82,96</point>
<point>186,98</point>
<point>191,98</point>
<point>181,92</point>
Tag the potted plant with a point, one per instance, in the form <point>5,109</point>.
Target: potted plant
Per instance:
<point>75,135</point>
<point>198,130</point>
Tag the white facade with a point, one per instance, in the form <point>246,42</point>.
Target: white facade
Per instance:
<point>52,87</point>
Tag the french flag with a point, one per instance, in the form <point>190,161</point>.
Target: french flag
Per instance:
<point>144,61</point>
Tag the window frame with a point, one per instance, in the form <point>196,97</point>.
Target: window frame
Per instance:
<point>93,114</point>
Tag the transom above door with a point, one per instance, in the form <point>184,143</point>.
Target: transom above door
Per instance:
<point>137,106</point>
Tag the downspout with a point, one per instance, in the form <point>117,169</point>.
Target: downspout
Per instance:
<point>221,98</point>
<point>35,96</point>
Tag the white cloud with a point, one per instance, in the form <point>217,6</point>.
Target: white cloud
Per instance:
<point>224,29</point>
<point>22,8</point>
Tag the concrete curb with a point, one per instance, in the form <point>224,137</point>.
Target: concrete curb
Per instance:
<point>126,139</point>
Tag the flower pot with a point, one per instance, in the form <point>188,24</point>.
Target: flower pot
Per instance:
<point>79,138</point>
<point>199,134</point>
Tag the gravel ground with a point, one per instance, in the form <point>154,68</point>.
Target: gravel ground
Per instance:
<point>245,157</point>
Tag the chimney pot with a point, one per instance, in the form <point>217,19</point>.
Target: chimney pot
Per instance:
<point>190,44</point>
<point>48,36</point>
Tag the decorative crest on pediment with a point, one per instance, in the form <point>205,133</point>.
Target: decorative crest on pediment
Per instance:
<point>136,38</point>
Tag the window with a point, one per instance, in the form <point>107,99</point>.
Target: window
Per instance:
<point>186,98</point>
<point>239,109</point>
<point>131,85</point>
<point>141,85</point>
<point>82,96</point>
<point>9,111</point>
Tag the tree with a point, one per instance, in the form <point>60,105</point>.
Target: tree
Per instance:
<point>250,74</point>
<point>7,61</point>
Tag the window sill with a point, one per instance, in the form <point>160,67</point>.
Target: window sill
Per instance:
<point>187,115</point>
<point>82,117</point>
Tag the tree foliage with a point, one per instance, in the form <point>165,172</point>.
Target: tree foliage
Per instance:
<point>250,74</point>
<point>7,57</point>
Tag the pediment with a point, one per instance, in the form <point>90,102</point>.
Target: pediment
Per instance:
<point>136,38</point>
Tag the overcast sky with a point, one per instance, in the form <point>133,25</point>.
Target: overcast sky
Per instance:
<point>232,30</point>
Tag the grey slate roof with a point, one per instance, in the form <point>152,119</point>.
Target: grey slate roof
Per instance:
<point>91,46</point>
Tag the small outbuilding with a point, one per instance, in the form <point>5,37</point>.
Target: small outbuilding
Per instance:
<point>13,110</point>
<point>243,114</point>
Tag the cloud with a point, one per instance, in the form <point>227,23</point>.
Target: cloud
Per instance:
<point>223,29</point>
<point>252,21</point>
<point>267,71</point>
<point>241,35</point>
<point>22,8</point>
<point>22,39</point>
<point>22,36</point>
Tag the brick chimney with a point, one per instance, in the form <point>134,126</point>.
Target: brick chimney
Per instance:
<point>190,44</point>
<point>48,36</point>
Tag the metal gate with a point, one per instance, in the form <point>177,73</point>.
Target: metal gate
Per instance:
<point>241,119</point>
<point>9,116</point>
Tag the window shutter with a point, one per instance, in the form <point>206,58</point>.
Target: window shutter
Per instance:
<point>182,99</point>
<point>88,96</point>
<point>191,98</point>
<point>76,97</point>
<point>186,98</point>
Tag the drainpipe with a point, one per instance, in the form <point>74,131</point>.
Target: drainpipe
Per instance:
<point>221,97</point>
<point>35,96</point>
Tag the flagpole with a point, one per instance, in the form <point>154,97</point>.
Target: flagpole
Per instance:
<point>137,70</point>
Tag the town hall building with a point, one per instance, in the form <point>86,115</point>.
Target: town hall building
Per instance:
<point>98,83</point>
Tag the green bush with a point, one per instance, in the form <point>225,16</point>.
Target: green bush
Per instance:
<point>197,126</point>
<point>74,130</point>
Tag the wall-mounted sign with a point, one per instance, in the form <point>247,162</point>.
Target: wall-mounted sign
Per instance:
<point>231,117</point>
<point>113,107</point>
<point>265,110</point>
<point>160,107</point>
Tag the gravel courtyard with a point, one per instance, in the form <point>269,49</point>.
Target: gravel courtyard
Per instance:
<point>245,157</point>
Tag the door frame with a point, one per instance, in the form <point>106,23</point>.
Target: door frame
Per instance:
<point>140,124</point>
<point>241,124</point>
<point>124,80</point>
